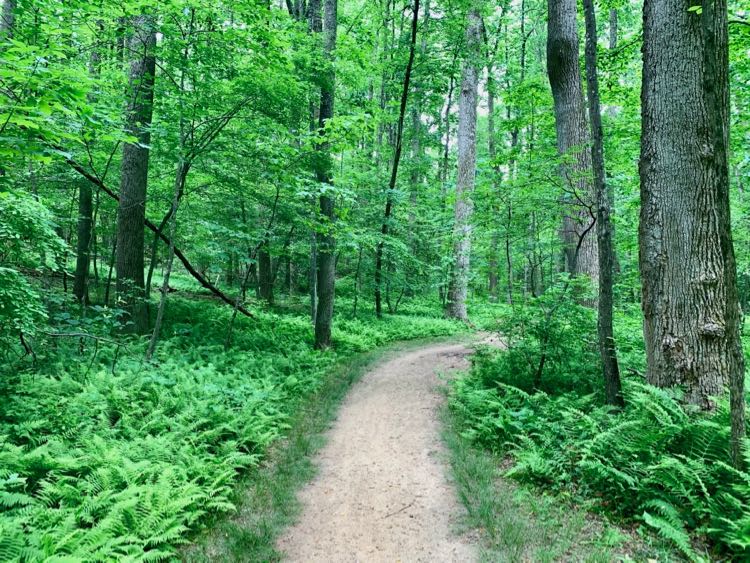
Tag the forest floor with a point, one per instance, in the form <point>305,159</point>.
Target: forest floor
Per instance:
<point>382,491</point>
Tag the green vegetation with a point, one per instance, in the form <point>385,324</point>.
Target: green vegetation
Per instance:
<point>656,462</point>
<point>103,456</point>
<point>208,205</point>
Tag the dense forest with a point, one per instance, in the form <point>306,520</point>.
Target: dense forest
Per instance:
<point>208,209</point>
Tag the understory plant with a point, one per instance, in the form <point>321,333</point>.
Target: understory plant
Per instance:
<point>105,457</point>
<point>655,462</point>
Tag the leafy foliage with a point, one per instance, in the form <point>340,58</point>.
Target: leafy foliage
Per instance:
<point>98,465</point>
<point>655,461</point>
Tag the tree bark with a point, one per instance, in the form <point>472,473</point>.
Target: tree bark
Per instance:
<point>83,243</point>
<point>579,240</point>
<point>326,281</point>
<point>690,303</point>
<point>131,212</point>
<point>265,274</point>
<point>396,160</point>
<point>467,156</point>
<point>8,19</point>
<point>613,28</point>
<point>607,349</point>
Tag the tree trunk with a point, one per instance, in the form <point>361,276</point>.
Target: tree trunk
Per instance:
<point>613,28</point>
<point>607,349</point>
<point>180,177</point>
<point>131,212</point>
<point>690,304</point>
<point>7,19</point>
<point>396,160</point>
<point>83,243</point>
<point>579,240</point>
<point>326,282</point>
<point>265,275</point>
<point>467,156</point>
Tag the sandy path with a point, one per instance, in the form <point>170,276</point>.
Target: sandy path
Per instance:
<point>382,493</point>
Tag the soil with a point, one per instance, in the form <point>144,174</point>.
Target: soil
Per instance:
<point>382,491</point>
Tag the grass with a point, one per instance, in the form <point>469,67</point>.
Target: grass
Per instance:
<point>267,502</point>
<point>521,524</point>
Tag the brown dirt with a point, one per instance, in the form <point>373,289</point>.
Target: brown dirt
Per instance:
<point>381,493</point>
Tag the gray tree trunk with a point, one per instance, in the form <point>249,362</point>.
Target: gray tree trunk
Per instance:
<point>607,349</point>
<point>579,239</point>
<point>131,212</point>
<point>8,19</point>
<point>467,157</point>
<point>688,271</point>
<point>326,282</point>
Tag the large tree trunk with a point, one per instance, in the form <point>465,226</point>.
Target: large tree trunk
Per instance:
<point>690,303</point>
<point>607,349</point>
<point>467,157</point>
<point>564,73</point>
<point>131,212</point>
<point>326,282</point>
<point>396,160</point>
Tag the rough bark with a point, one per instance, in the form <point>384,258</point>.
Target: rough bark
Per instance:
<point>467,156</point>
<point>396,160</point>
<point>579,240</point>
<point>690,304</point>
<point>131,212</point>
<point>8,19</point>
<point>607,349</point>
<point>613,28</point>
<point>326,281</point>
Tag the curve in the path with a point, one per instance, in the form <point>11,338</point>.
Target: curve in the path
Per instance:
<point>382,492</point>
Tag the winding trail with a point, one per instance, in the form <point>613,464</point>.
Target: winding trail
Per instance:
<point>382,492</point>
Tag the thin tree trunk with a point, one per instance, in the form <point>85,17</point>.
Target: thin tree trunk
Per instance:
<point>467,156</point>
<point>607,349</point>
<point>315,25</point>
<point>134,177</point>
<point>326,283</point>
<point>179,187</point>
<point>83,243</point>
<point>396,160</point>
<point>581,255</point>
<point>688,271</point>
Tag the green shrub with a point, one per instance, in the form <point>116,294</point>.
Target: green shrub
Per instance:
<point>103,460</point>
<point>655,461</point>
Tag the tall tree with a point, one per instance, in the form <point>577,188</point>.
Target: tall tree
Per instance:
<point>607,349</point>
<point>7,19</point>
<point>131,212</point>
<point>466,174</point>
<point>564,73</point>
<point>324,171</point>
<point>690,303</point>
<point>396,160</point>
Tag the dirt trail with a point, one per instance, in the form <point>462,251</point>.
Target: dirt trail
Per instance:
<point>382,493</point>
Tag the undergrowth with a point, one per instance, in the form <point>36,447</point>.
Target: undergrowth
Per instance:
<point>656,462</point>
<point>105,457</point>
